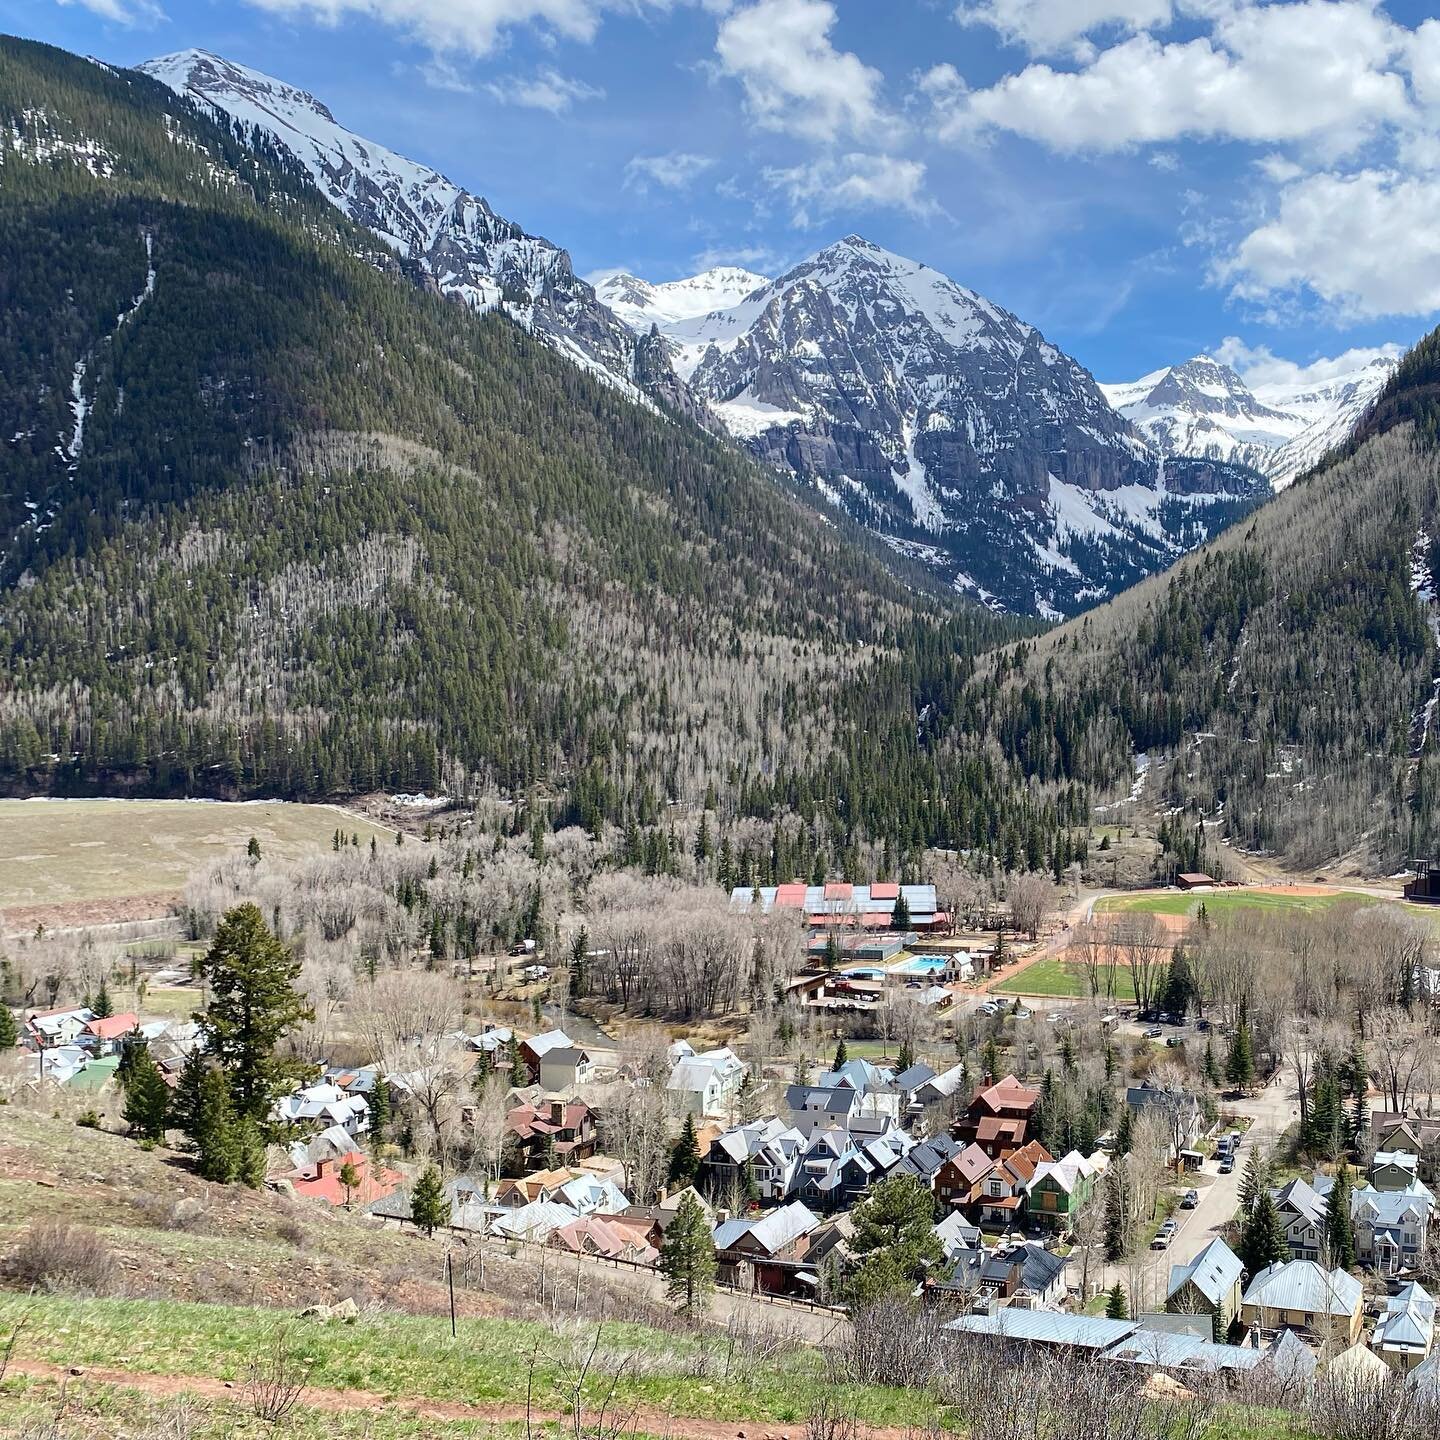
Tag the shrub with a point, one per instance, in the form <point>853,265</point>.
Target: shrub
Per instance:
<point>54,1256</point>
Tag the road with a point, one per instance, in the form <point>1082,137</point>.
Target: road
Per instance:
<point>1271,1111</point>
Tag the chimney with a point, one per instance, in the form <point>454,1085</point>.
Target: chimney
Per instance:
<point>721,1216</point>
<point>557,1112</point>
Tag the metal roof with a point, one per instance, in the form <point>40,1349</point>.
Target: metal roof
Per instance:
<point>1213,1272</point>
<point>1305,1286</point>
<point>1048,1327</point>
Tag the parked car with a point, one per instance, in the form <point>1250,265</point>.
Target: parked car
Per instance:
<point>1161,1240</point>
<point>1174,1040</point>
<point>1190,1200</point>
<point>1154,1033</point>
<point>1022,1013</point>
<point>1227,1165</point>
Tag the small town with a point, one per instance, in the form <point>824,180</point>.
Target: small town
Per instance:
<point>1044,1124</point>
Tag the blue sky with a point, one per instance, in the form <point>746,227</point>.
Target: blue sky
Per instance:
<point>1143,179</point>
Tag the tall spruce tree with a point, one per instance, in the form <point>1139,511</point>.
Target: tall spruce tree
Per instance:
<point>1240,1063</point>
<point>147,1097</point>
<point>253,1006</point>
<point>1339,1227</point>
<point>687,1258</point>
<point>216,1134</point>
<point>1262,1236</point>
<point>9,1030</point>
<point>684,1156</point>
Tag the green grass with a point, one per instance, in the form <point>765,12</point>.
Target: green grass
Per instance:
<point>1057,977</point>
<point>408,1356</point>
<point>60,851</point>
<point>1226,902</point>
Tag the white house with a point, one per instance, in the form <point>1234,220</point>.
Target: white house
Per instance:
<point>705,1083</point>
<point>47,1028</point>
<point>563,1067</point>
<point>325,1105</point>
<point>1405,1334</point>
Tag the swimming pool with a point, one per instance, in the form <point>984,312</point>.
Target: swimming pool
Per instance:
<point>923,965</point>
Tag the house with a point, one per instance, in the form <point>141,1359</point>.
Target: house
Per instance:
<point>47,1028</point>
<point>326,1105</point>
<point>1016,1328</point>
<point>999,1118</point>
<point>1302,1211</point>
<point>332,1143</point>
<point>956,1234</point>
<point>533,1050</point>
<point>1209,1284</point>
<point>1180,1112</point>
<point>1000,1198</point>
<point>109,1033</point>
<point>768,1255</point>
<point>704,1084</point>
<point>665,1209</point>
<point>563,1067</point>
<point>927,1160</point>
<point>469,1209</point>
<point>1415,1134</point>
<point>374,1181</point>
<point>907,1085</point>
<point>566,1126</point>
<point>1394,1170</point>
<point>534,1223</point>
<point>770,1149</point>
<point>589,1195</point>
<point>1405,1333</point>
<point>833,1171</point>
<point>943,1088</point>
<point>1390,1227</point>
<point>813,1106</point>
<point>1026,1272</point>
<point>1425,1377</point>
<point>958,1180</point>
<point>603,1236</point>
<point>1194,880</point>
<point>1302,1295</point>
<point>522,1190</point>
<point>1058,1189</point>
<point>1358,1368</point>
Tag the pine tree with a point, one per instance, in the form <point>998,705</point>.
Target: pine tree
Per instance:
<point>1213,1077</point>
<point>1219,1325</point>
<point>185,1103</point>
<point>102,1005</point>
<point>250,1147</point>
<point>9,1031</point>
<point>1125,1131</point>
<point>216,1134</point>
<point>1256,1178</point>
<point>1116,1306</point>
<point>429,1207</point>
<point>253,849</point>
<point>832,951</point>
<point>894,1238</point>
<point>684,1156</point>
<point>1240,1064</point>
<point>253,1006</point>
<point>990,1059</point>
<point>1339,1228</point>
<point>900,915</point>
<point>842,1055</point>
<point>687,1258</point>
<point>1117,1218</point>
<point>377,1101</point>
<point>147,1097</point>
<point>905,1059</point>
<point>1262,1236</point>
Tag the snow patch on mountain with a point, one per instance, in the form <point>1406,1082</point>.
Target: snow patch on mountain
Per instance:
<point>641,304</point>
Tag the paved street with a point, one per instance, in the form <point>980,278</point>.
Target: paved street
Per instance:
<point>1271,1110</point>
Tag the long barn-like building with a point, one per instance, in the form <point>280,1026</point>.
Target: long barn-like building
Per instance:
<point>839,905</point>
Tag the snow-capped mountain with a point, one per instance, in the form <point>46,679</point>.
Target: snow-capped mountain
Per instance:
<point>952,428</point>
<point>1203,408</point>
<point>456,239</point>
<point>640,304</point>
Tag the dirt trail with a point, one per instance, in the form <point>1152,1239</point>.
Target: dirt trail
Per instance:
<point>644,1419</point>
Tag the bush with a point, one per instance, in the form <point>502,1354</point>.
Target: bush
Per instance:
<point>88,1119</point>
<point>54,1256</point>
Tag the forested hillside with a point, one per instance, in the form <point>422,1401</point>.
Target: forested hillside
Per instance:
<point>1285,675</point>
<point>278,520</point>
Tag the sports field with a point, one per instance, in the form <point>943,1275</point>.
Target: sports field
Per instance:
<point>1054,976</point>
<point>60,852</point>
<point>1227,902</point>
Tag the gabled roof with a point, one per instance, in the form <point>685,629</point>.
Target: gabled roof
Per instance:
<point>973,1164</point>
<point>1214,1272</point>
<point>1303,1199</point>
<point>1024,1162</point>
<point>913,1078</point>
<point>821,1099</point>
<point>540,1045</point>
<point>928,1156</point>
<point>112,1027</point>
<point>1305,1286</point>
<point>772,1233</point>
<point>1006,1094</point>
<point>858,1075</point>
<point>1083,1332</point>
<point>955,1233</point>
<point>1067,1172</point>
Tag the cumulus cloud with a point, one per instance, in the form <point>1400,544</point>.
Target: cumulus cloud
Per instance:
<point>851,182</point>
<point>1048,27</point>
<point>472,27</point>
<point>671,172</point>
<point>547,89</point>
<point>1259,366</point>
<point>1320,71</point>
<point>793,77</point>
<point>1365,243</point>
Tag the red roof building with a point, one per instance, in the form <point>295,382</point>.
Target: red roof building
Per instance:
<point>570,1125</point>
<point>375,1184</point>
<point>999,1118</point>
<point>113,1027</point>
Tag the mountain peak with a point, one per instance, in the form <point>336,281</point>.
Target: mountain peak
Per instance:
<point>205,74</point>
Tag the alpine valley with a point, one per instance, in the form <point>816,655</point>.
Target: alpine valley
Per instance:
<point>926,413</point>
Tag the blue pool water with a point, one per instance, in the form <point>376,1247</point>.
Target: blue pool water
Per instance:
<point>924,965</point>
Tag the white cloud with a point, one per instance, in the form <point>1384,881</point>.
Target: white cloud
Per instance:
<point>672,172</point>
<point>121,12</point>
<point>1364,243</point>
<point>1319,71</point>
<point>471,27</point>
<point>546,89</point>
<point>1049,27</point>
<point>851,182</point>
<point>794,79</point>
<point>1258,365</point>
